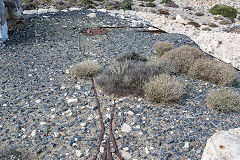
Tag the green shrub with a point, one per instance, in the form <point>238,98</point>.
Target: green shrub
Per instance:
<point>150,4</point>
<point>166,1</point>
<point>127,78</point>
<point>164,89</point>
<point>206,29</point>
<point>213,71</point>
<point>199,14</point>
<point>160,66</point>
<point>86,4</point>
<point>224,100</point>
<point>29,4</point>
<point>183,57</point>
<point>225,22</point>
<point>147,0</point>
<point>10,153</point>
<point>224,10</point>
<point>213,25</point>
<point>130,56</point>
<point>87,68</point>
<point>126,5</point>
<point>162,47</point>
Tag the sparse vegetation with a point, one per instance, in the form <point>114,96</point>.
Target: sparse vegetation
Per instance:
<point>183,57</point>
<point>147,0</point>
<point>224,100</point>
<point>199,14</point>
<point>206,29</point>
<point>126,5</point>
<point>10,153</point>
<point>225,22</point>
<point>87,68</point>
<point>29,4</point>
<point>213,71</point>
<point>213,25</point>
<point>160,66</point>
<point>224,10</point>
<point>166,1</point>
<point>162,47</point>
<point>150,4</point>
<point>164,89</point>
<point>86,4</point>
<point>130,56</point>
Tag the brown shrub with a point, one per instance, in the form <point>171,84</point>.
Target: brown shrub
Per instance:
<point>224,100</point>
<point>87,68</point>
<point>164,89</point>
<point>130,56</point>
<point>162,47</point>
<point>183,57</point>
<point>211,70</point>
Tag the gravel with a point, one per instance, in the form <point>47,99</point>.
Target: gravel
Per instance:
<point>51,115</point>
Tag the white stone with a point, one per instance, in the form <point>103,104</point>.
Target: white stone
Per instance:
<point>125,154</point>
<point>78,153</point>
<point>34,132</point>
<point>42,11</point>
<point>180,20</point>
<point>102,10</point>
<point>186,145</point>
<point>38,101</point>
<point>30,11</point>
<point>101,149</point>
<point>92,15</point>
<point>126,128</point>
<point>223,145</point>
<point>56,134</point>
<point>125,148</point>
<point>74,9</point>
<point>146,150</point>
<point>83,124</point>
<point>130,113</point>
<point>42,123</point>
<point>72,100</point>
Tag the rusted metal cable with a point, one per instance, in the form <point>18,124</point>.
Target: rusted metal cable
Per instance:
<point>104,157</point>
<point>109,153</point>
<point>100,118</point>
<point>112,135</point>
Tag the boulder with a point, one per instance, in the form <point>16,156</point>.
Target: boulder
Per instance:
<point>3,23</point>
<point>223,145</point>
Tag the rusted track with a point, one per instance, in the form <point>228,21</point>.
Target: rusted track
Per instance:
<point>100,119</point>
<point>112,135</point>
<point>110,157</point>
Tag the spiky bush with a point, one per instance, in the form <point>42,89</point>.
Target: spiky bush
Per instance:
<point>87,68</point>
<point>126,5</point>
<point>162,47</point>
<point>130,56</point>
<point>166,1</point>
<point>124,79</point>
<point>160,66</point>
<point>224,10</point>
<point>224,100</point>
<point>10,153</point>
<point>164,89</point>
<point>213,71</point>
<point>183,57</point>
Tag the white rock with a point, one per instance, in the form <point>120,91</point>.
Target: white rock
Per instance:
<point>74,9</point>
<point>38,101</point>
<point>56,134</point>
<point>125,148</point>
<point>146,150</point>
<point>78,153</point>
<point>180,20</point>
<point>101,149</point>
<point>34,132</point>
<point>71,100</point>
<point>130,113</point>
<point>102,10</point>
<point>125,154</point>
<point>92,15</point>
<point>126,128</point>
<point>42,11</point>
<point>43,123</point>
<point>83,124</point>
<point>186,145</point>
<point>223,145</point>
<point>30,11</point>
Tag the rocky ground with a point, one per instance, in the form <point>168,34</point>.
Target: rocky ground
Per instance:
<point>49,114</point>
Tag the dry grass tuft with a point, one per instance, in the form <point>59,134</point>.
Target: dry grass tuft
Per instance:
<point>160,66</point>
<point>224,100</point>
<point>216,72</point>
<point>164,89</point>
<point>130,56</point>
<point>184,57</point>
<point>87,68</point>
<point>162,47</point>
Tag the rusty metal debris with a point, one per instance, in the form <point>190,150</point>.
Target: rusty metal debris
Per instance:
<point>107,153</point>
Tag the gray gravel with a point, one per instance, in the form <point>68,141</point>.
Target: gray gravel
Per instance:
<point>35,90</point>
